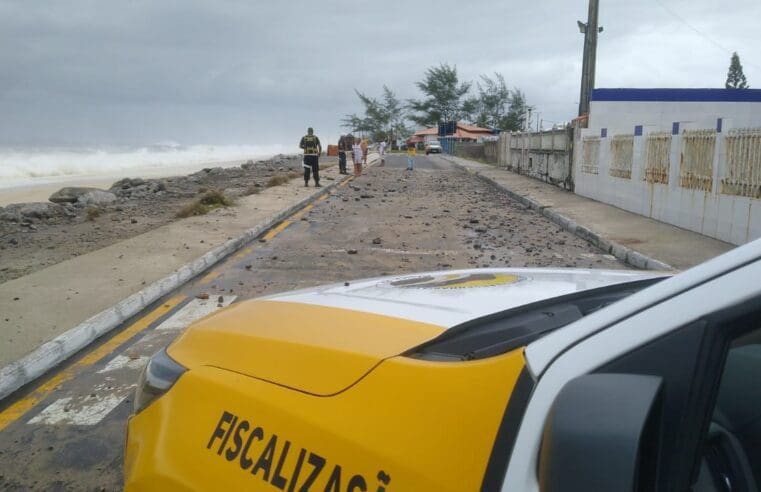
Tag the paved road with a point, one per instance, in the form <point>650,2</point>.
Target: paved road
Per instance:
<point>67,432</point>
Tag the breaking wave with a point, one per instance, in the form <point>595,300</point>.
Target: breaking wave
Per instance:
<point>20,167</point>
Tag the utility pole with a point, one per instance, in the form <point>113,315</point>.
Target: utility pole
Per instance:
<point>590,31</point>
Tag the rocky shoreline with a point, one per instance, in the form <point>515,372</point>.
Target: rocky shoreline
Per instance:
<point>77,220</point>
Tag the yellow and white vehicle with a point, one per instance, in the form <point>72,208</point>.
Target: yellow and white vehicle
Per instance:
<point>489,379</point>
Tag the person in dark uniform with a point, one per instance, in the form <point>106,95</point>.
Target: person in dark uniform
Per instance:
<point>348,141</point>
<point>312,150</point>
<point>342,155</point>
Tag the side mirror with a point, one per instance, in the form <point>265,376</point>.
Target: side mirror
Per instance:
<point>602,434</point>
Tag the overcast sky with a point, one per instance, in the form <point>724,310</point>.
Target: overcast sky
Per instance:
<point>257,72</point>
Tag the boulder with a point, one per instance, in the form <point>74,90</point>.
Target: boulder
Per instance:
<point>70,194</point>
<point>33,210</point>
<point>97,197</point>
<point>126,183</point>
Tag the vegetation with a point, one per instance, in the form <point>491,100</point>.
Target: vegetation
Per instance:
<point>92,213</point>
<point>446,98</point>
<point>735,76</point>
<point>281,179</point>
<point>496,106</point>
<point>208,201</point>
<point>383,119</point>
<point>252,190</point>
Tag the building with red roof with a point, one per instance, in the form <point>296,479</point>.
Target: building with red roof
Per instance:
<point>464,133</point>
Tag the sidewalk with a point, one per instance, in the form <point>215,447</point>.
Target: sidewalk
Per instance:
<point>610,226</point>
<point>47,303</point>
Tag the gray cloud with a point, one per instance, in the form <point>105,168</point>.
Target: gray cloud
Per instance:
<point>259,72</point>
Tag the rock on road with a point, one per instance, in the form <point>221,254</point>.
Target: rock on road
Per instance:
<point>69,435</point>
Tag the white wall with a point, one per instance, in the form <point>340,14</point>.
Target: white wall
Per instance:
<point>621,117</point>
<point>731,218</point>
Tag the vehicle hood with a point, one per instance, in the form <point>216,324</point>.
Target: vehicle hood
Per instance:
<point>448,298</point>
<point>315,349</point>
<point>323,340</point>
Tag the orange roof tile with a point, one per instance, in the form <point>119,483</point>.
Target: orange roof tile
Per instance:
<point>463,131</point>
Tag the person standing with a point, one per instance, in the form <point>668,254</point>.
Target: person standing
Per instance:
<point>357,157</point>
<point>382,152</point>
<point>411,152</point>
<point>342,148</point>
<point>364,145</point>
<point>312,150</point>
<point>350,141</point>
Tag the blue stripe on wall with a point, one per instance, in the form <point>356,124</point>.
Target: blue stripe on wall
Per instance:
<point>678,95</point>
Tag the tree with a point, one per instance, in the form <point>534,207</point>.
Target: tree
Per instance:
<point>383,119</point>
<point>496,106</point>
<point>516,114</point>
<point>443,99</point>
<point>492,102</point>
<point>735,77</point>
<point>397,115</point>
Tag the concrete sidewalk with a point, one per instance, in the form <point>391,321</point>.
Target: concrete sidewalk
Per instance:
<point>665,243</point>
<point>45,304</point>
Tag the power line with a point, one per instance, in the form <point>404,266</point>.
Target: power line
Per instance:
<point>697,31</point>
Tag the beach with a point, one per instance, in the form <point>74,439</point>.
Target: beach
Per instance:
<point>34,236</point>
<point>40,189</point>
<point>32,174</point>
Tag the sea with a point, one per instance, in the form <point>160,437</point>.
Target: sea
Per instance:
<point>29,167</point>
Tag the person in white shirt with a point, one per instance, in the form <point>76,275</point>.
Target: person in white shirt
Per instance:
<point>356,151</point>
<point>382,152</point>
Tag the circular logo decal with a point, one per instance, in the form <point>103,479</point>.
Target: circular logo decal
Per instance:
<point>457,281</point>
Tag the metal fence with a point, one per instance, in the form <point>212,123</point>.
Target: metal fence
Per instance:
<point>621,156</point>
<point>590,155</point>
<point>658,161</point>
<point>743,171</point>
<point>696,167</point>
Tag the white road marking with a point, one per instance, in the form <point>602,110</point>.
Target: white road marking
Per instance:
<point>82,410</point>
<point>90,409</point>
<point>194,310</point>
<point>122,362</point>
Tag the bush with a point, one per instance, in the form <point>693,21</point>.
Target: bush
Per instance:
<point>209,201</point>
<point>281,179</point>
<point>278,180</point>
<point>92,213</point>
<point>252,190</point>
<point>215,198</point>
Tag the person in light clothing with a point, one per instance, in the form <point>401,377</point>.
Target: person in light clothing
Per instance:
<point>356,152</point>
<point>411,152</point>
<point>382,152</point>
<point>365,145</point>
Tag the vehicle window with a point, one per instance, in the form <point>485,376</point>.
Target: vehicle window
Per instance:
<point>504,331</point>
<point>731,458</point>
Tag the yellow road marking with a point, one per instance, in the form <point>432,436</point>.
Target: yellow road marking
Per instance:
<point>210,276</point>
<point>242,253</point>
<point>19,408</point>
<point>277,229</point>
<point>304,210</point>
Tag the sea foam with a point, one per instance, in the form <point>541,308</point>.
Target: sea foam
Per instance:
<point>21,167</point>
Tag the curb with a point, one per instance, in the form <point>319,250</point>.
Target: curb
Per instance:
<point>50,354</point>
<point>623,253</point>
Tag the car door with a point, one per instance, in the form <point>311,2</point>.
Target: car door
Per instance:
<point>680,332</point>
